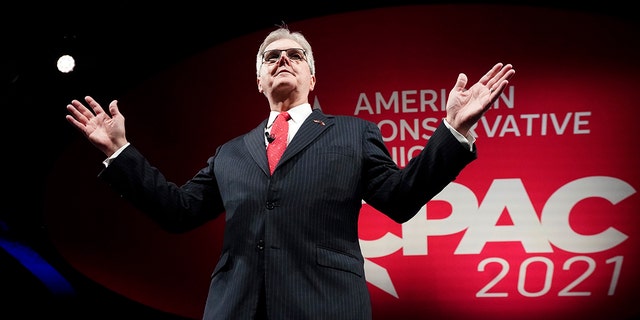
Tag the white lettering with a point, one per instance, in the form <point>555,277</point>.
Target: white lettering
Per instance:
<point>555,214</point>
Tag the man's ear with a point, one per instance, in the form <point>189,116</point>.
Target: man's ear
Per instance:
<point>312,82</point>
<point>259,85</point>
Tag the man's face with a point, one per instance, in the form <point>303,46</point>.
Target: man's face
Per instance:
<point>285,70</point>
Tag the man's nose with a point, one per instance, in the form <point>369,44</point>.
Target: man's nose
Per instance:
<point>284,58</point>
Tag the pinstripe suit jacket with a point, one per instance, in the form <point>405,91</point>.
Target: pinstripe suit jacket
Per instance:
<point>296,232</point>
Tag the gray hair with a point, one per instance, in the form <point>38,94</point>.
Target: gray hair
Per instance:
<point>284,33</point>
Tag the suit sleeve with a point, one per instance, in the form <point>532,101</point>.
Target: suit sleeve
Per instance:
<point>400,193</point>
<point>175,208</point>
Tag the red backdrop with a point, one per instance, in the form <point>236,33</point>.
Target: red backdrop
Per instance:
<point>544,224</point>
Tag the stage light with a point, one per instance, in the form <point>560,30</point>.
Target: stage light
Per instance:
<point>66,63</point>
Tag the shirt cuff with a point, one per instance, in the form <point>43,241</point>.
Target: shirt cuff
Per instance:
<point>467,141</point>
<point>107,161</point>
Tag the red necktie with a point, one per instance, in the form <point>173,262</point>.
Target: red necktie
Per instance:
<point>278,134</point>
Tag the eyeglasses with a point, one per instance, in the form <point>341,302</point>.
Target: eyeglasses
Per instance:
<point>294,54</point>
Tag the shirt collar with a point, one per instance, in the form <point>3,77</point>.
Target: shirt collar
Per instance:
<point>298,114</point>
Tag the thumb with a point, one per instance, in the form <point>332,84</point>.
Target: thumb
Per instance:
<point>461,82</point>
<point>113,108</point>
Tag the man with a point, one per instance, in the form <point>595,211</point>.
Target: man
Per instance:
<point>291,247</point>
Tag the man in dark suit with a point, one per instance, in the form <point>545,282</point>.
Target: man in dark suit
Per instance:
<point>291,247</point>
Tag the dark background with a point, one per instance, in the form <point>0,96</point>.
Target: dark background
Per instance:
<point>118,45</point>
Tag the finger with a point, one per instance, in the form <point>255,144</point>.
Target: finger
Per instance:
<point>95,106</point>
<point>497,89</point>
<point>73,110</point>
<point>486,79</point>
<point>507,72</point>
<point>73,120</point>
<point>497,82</point>
<point>76,118</point>
<point>79,111</point>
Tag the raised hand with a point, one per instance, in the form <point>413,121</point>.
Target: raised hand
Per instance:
<point>465,106</point>
<point>104,130</point>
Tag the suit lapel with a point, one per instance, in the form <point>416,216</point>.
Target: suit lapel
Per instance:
<point>313,126</point>
<point>254,141</point>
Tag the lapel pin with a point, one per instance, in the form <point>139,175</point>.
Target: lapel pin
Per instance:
<point>319,122</point>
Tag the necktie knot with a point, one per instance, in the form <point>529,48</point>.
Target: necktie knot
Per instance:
<point>279,134</point>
